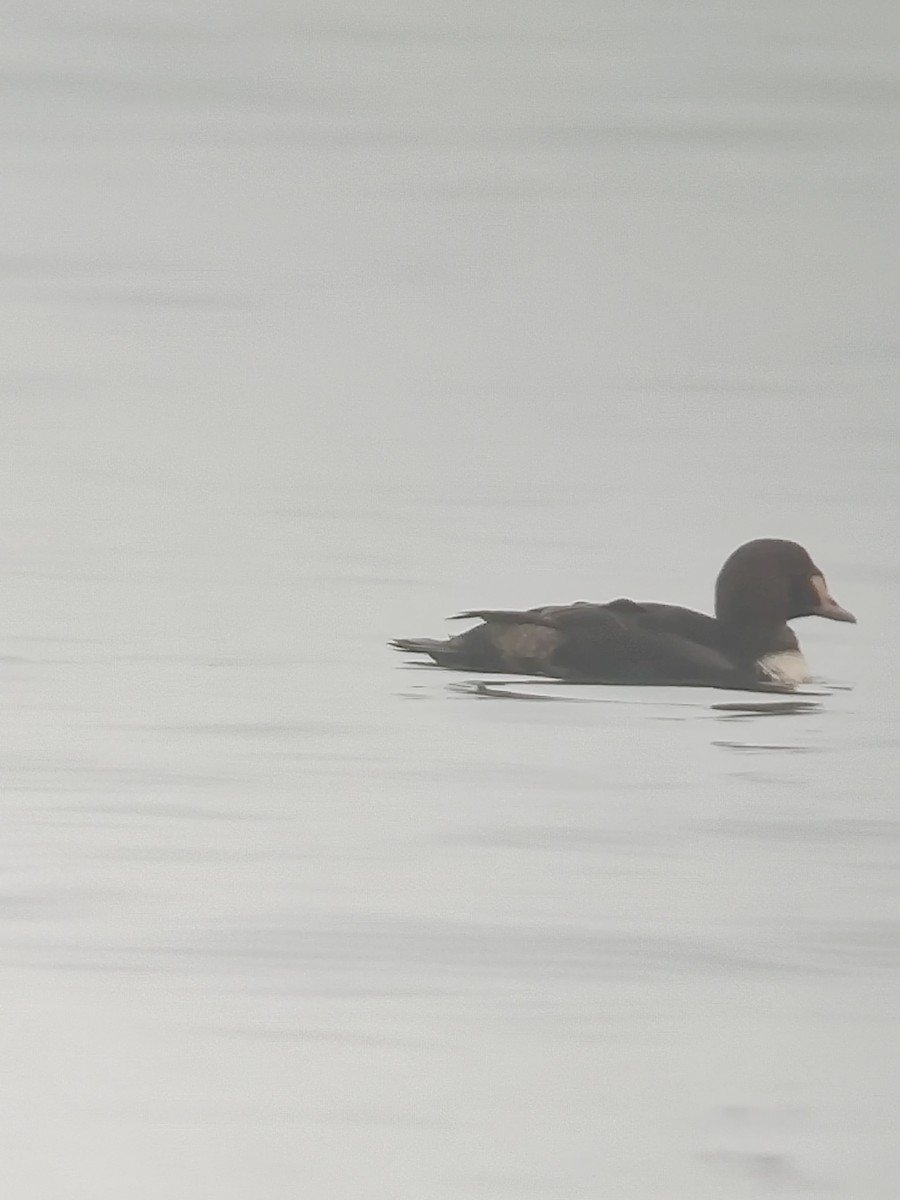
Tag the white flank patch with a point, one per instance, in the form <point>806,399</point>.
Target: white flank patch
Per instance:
<point>785,666</point>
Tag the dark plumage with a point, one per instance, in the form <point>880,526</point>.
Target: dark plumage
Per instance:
<point>747,645</point>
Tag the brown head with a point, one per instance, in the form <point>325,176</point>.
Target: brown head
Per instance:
<point>767,582</point>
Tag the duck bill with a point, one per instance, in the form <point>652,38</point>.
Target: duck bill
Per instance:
<point>828,606</point>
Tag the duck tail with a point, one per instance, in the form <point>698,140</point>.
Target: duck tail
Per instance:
<point>417,645</point>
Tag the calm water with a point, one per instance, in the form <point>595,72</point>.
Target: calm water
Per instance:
<point>322,321</point>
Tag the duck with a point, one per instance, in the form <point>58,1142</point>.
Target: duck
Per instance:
<point>747,646</point>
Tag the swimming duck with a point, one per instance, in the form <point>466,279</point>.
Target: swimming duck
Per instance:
<point>747,645</point>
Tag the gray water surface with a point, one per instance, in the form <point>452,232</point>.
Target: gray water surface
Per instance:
<point>323,321</point>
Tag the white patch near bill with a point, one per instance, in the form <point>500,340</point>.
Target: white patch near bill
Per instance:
<point>785,666</point>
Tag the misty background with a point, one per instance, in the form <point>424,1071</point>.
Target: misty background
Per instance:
<point>322,321</point>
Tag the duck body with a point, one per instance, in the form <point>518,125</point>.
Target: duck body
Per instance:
<point>747,645</point>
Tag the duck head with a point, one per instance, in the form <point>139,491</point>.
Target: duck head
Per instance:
<point>766,583</point>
